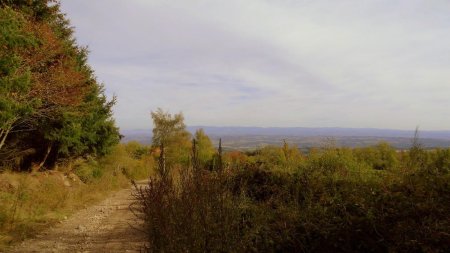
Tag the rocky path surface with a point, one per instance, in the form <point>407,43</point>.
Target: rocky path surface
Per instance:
<point>106,227</point>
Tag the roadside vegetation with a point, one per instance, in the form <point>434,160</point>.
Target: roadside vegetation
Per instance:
<point>30,202</point>
<point>276,199</point>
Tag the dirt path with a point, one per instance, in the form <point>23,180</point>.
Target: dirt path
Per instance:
<point>106,227</point>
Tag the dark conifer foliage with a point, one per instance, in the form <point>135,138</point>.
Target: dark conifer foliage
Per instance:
<point>51,105</point>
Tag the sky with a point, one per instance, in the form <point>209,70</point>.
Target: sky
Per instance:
<point>266,63</point>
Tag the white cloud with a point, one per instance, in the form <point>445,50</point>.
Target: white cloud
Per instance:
<point>272,63</point>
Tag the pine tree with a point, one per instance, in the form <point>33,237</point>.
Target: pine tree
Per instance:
<point>51,105</point>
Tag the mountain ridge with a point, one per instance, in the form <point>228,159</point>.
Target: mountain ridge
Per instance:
<point>307,131</point>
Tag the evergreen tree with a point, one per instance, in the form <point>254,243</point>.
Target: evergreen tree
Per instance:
<point>15,77</point>
<point>51,105</point>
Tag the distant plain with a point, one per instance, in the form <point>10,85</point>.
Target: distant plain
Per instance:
<point>248,138</point>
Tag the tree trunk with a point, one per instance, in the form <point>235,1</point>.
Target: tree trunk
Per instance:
<point>3,134</point>
<point>39,167</point>
<point>162,162</point>
<point>5,130</point>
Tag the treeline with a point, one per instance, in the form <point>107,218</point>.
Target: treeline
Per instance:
<point>276,199</point>
<point>51,105</point>
<point>170,132</point>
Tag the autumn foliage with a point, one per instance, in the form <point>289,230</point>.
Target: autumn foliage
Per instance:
<point>51,106</point>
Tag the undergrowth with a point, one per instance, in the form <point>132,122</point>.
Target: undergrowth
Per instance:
<point>29,202</point>
<point>330,201</point>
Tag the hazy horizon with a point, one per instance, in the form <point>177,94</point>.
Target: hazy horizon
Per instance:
<point>252,137</point>
<point>348,64</point>
<point>312,127</point>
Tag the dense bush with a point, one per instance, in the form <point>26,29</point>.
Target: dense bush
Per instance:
<point>332,202</point>
<point>380,157</point>
<point>196,215</point>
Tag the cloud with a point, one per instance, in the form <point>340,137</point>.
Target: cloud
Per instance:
<point>272,63</point>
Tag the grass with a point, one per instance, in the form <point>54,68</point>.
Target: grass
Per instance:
<point>31,202</point>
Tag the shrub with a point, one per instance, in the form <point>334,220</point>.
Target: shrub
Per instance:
<point>332,203</point>
<point>197,215</point>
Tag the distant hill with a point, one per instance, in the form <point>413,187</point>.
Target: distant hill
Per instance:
<point>326,131</point>
<point>253,137</point>
<point>140,135</point>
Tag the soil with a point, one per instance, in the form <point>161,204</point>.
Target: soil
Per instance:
<point>110,226</point>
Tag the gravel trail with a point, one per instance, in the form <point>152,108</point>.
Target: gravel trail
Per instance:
<point>106,227</point>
